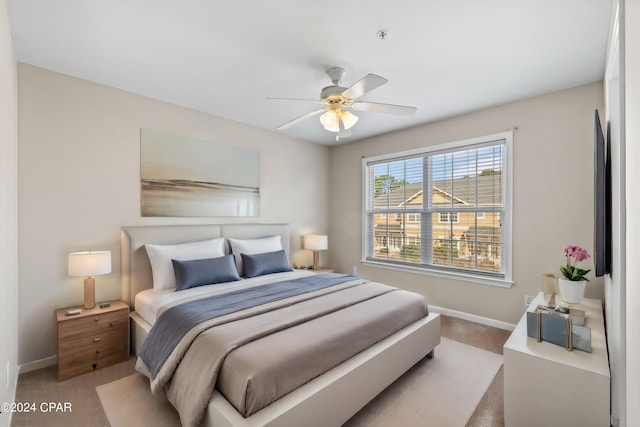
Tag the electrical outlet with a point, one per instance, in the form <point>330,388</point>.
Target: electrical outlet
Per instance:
<point>354,271</point>
<point>527,300</point>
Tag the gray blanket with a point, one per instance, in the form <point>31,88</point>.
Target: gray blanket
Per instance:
<point>175,322</point>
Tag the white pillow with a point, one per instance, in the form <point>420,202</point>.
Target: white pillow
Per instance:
<point>252,247</point>
<point>160,256</point>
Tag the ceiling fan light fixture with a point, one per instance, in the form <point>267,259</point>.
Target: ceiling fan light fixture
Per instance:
<point>331,118</point>
<point>336,99</point>
<point>348,119</point>
<point>330,121</point>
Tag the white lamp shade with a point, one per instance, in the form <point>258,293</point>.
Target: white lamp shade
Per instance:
<point>316,242</point>
<point>348,119</point>
<point>330,121</point>
<point>90,263</point>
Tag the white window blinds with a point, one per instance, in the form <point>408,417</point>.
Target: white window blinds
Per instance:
<point>442,208</point>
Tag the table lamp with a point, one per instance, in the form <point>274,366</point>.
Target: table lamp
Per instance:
<point>89,264</point>
<point>315,242</point>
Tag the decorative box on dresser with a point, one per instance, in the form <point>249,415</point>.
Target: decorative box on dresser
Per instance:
<point>544,384</point>
<point>92,339</point>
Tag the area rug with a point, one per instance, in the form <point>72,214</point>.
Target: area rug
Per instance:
<point>128,401</point>
<point>439,392</point>
<point>443,392</point>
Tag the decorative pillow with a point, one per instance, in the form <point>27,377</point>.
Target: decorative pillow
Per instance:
<point>253,246</point>
<point>265,263</point>
<point>199,272</point>
<point>160,257</point>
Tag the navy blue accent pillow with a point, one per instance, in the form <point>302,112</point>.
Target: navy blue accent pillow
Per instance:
<point>265,263</point>
<point>199,272</point>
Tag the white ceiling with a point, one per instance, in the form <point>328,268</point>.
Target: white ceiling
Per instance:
<point>226,58</point>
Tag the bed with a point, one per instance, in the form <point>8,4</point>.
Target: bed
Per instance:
<point>357,380</point>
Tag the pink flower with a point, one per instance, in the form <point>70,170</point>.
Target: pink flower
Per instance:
<point>570,271</point>
<point>576,252</point>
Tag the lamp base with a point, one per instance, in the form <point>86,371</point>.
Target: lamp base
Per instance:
<point>89,292</point>
<point>316,260</point>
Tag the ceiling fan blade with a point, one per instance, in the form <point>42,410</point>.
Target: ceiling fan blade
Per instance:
<point>400,110</point>
<point>301,118</point>
<point>316,101</point>
<point>364,85</point>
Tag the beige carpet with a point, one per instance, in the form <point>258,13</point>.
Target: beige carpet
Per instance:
<point>441,392</point>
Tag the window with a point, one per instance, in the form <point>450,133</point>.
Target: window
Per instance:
<point>448,217</point>
<point>443,210</point>
<point>413,217</point>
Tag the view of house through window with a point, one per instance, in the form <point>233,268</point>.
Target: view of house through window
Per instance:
<point>439,209</point>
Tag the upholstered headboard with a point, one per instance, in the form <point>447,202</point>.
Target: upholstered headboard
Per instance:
<point>136,269</point>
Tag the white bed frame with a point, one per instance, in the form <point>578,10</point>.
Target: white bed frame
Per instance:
<point>328,400</point>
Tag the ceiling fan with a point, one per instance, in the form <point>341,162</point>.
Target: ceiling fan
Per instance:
<point>337,100</point>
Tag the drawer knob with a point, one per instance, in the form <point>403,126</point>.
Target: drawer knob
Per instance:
<point>95,318</point>
<point>96,339</point>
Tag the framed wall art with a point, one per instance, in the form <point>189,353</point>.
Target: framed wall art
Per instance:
<point>188,177</point>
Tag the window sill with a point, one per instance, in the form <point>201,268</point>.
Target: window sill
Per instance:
<point>502,283</point>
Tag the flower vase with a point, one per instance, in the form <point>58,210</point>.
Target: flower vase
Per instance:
<point>572,292</point>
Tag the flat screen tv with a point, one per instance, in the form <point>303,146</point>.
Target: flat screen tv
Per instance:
<point>602,201</point>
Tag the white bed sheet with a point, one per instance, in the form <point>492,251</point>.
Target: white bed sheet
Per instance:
<point>148,302</point>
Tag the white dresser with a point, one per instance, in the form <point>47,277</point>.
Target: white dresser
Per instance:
<point>546,385</point>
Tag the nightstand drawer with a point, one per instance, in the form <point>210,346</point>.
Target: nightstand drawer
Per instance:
<point>94,324</point>
<point>90,342</point>
<point>83,367</point>
<point>85,354</point>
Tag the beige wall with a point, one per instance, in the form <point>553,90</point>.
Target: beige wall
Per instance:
<point>79,183</point>
<point>8,215</point>
<point>553,196</point>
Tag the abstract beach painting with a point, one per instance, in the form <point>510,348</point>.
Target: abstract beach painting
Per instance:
<point>188,177</point>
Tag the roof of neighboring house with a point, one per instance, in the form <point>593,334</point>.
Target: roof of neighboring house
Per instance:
<point>399,196</point>
<point>461,190</point>
<point>466,188</point>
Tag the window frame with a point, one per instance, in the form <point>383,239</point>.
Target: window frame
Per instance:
<point>507,220</point>
<point>448,220</point>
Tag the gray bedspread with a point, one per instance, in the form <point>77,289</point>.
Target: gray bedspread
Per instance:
<point>258,354</point>
<point>176,321</point>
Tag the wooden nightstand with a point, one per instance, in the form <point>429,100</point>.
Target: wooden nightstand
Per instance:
<point>93,339</point>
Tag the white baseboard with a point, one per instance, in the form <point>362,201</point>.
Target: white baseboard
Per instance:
<point>472,317</point>
<point>38,364</point>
